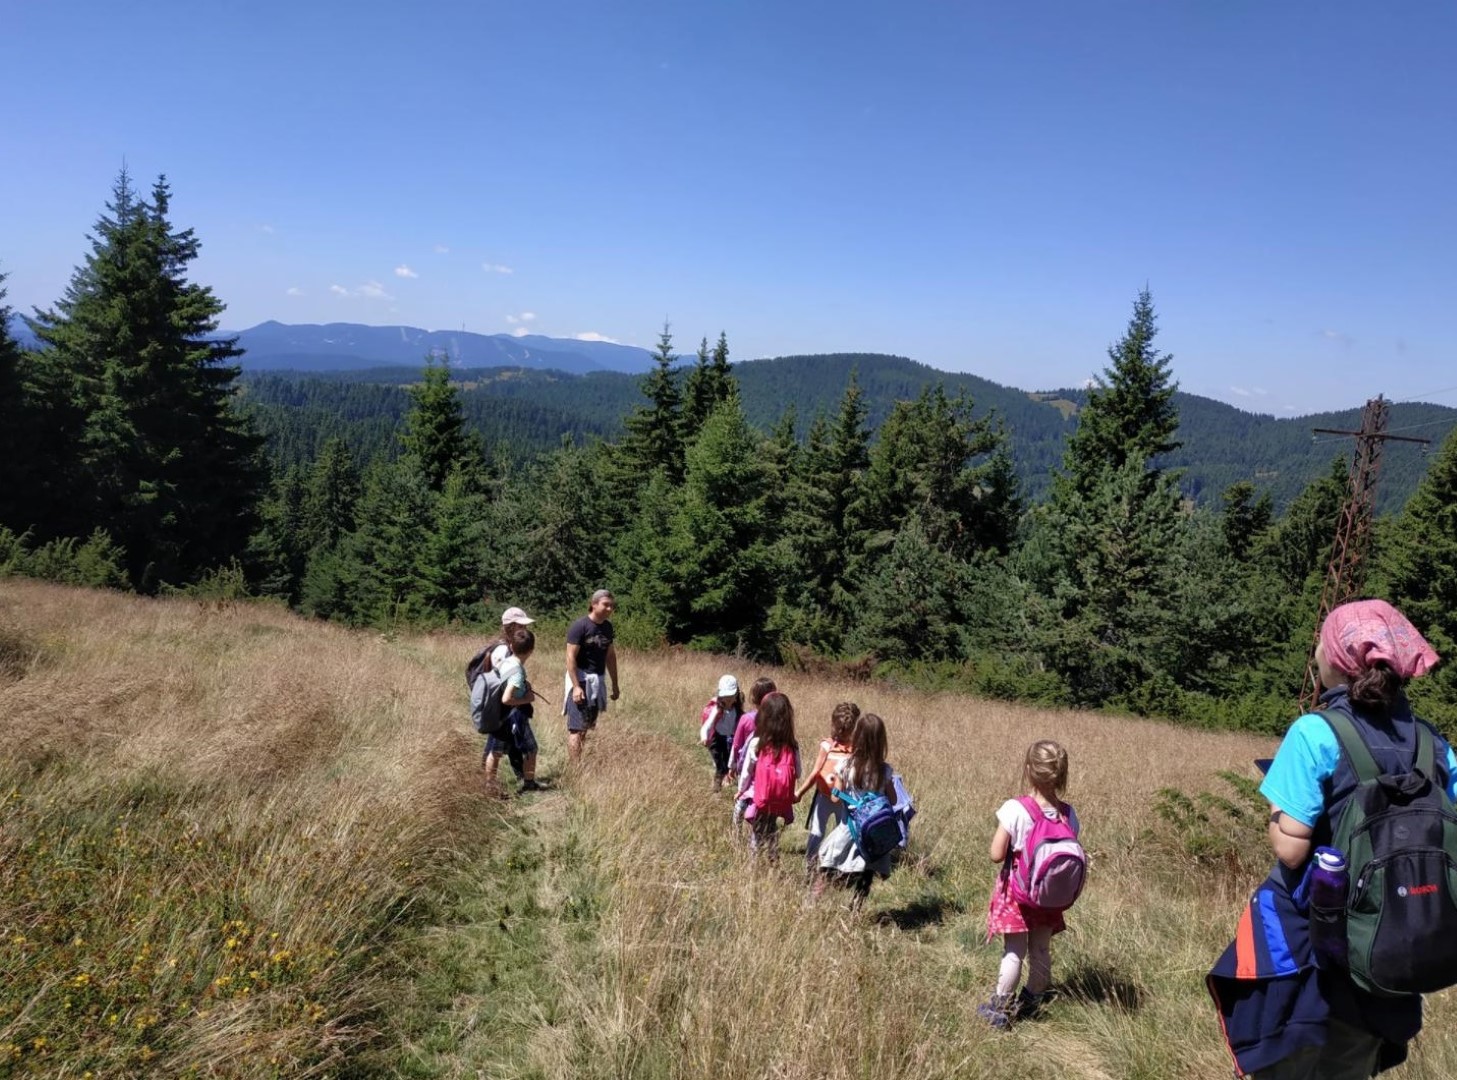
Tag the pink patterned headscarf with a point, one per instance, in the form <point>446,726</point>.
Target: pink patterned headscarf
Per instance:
<point>1355,636</point>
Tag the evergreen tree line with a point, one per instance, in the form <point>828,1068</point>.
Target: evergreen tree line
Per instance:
<point>130,460</point>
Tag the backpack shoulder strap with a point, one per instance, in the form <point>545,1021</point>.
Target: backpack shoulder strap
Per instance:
<point>1426,751</point>
<point>1353,745</point>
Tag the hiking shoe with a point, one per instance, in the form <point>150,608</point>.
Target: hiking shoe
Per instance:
<point>997,1011</point>
<point>529,785</point>
<point>1029,1005</point>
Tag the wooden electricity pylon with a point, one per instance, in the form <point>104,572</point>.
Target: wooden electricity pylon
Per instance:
<point>1347,570</point>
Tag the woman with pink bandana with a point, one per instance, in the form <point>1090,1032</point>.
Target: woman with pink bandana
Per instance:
<point>1283,1018</point>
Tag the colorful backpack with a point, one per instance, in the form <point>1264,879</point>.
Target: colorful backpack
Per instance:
<point>1048,872</point>
<point>774,783</point>
<point>1399,834</point>
<point>873,823</point>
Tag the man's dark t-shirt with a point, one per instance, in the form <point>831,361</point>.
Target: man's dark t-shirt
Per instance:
<point>592,641</point>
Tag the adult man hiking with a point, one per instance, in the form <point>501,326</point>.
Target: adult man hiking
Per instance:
<point>591,660</point>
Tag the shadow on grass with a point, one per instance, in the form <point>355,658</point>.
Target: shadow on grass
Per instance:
<point>1101,986</point>
<point>920,913</point>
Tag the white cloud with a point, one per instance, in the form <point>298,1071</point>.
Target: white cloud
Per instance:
<point>1337,336</point>
<point>441,249</point>
<point>528,316</point>
<point>592,335</point>
<point>1259,391</point>
<point>405,271</point>
<point>1088,383</point>
<point>496,268</point>
<point>294,290</point>
<point>524,317</point>
<point>520,331</point>
<point>269,229</point>
<point>1240,390</point>
<point>371,290</point>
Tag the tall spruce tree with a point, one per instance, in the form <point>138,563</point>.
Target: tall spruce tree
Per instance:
<point>1113,529</point>
<point>717,539</point>
<point>1421,567</point>
<point>1130,412</point>
<point>331,496</point>
<point>932,461</point>
<point>654,439</point>
<point>435,433</point>
<point>18,465</point>
<point>451,558</point>
<point>709,384</point>
<point>141,413</point>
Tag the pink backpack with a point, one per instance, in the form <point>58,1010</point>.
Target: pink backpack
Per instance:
<point>1048,872</point>
<point>774,782</point>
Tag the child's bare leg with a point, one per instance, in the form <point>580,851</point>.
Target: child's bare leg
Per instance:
<point>492,763</point>
<point>1039,967</point>
<point>575,739</point>
<point>1011,970</point>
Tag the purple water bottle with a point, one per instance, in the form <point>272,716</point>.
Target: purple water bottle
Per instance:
<point>1329,883</point>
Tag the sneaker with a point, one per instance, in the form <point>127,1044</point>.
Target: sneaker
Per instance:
<point>997,1011</point>
<point>1029,1005</point>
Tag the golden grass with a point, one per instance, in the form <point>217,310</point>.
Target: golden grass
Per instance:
<point>325,789</point>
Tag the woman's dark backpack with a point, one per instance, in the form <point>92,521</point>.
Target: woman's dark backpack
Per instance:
<point>1399,835</point>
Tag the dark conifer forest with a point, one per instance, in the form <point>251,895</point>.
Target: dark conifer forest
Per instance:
<point>1126,546</point>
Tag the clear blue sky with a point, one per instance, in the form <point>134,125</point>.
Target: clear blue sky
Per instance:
<point>983,187</point>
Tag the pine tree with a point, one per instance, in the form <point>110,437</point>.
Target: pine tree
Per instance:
<point>548,548</point>
<point>1421,566</point>
<point>381,557</point>
<point>435,433</point>
<point>331,496</point>
<point>1130,413</point>
<point>450,562</point>
<point>140,400</point>
<point>910,602</point>
<point>709,385</point>
<point>655,432</point>
<point>717,541</point>
<point>1113,573</point>
<point>923,465</point>
<point>279,551</point>
<point>1245,519</point>
<point>18,423</point>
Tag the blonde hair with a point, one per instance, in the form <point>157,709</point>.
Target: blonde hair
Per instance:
<point>1045,768</point>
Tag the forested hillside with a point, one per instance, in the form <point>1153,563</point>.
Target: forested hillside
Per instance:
<point>521,412</point>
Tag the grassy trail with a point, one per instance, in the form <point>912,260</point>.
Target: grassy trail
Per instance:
<point>237,844</point>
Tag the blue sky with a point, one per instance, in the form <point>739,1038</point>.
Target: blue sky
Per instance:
<point>982,187</point>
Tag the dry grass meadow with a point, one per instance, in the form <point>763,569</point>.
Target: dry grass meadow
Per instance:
<point>239,844</point>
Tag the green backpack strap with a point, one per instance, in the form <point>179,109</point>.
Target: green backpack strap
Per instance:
<point>1360,755</point>
<point>1426,752</point>
<point>1354,746</point>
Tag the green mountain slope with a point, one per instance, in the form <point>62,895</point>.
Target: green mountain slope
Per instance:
<point>528,411</point>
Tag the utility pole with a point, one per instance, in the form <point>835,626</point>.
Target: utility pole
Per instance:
<point>1347,570</point>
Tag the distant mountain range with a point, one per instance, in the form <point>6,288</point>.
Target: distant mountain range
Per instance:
<point>276,346</point>
<point>273,346</point>
<point>528,411</point>
<point>346,379</point>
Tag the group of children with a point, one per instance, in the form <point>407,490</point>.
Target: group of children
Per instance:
<point>1041,865</point>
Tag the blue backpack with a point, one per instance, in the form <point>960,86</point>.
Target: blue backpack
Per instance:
<point>874,825</point>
